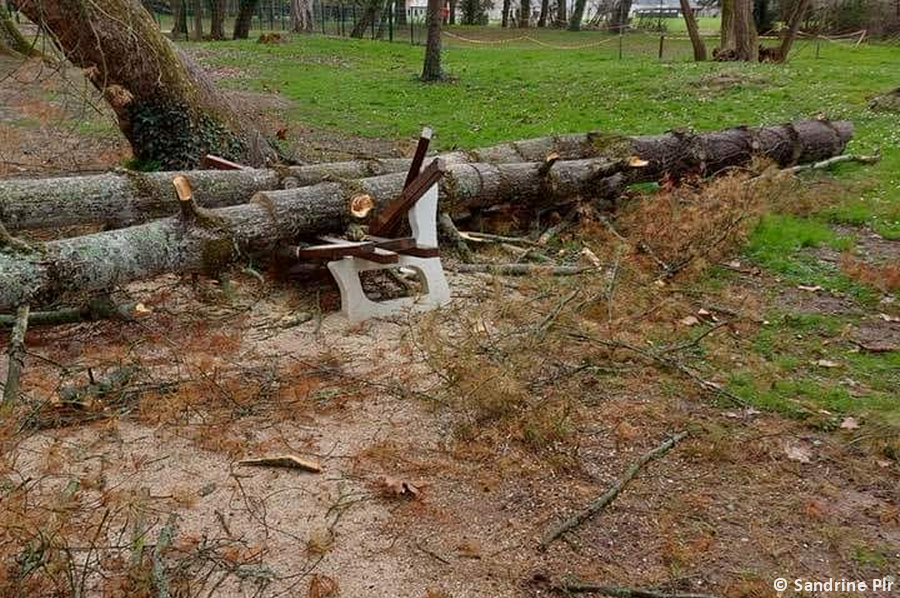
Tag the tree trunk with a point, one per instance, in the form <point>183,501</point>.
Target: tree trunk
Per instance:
<point>545,10</point>
<point>217,9</point>
<point>197,35</point>
<point>619,18</point>
<point>244,18</point>
<point>400,12</point>
<point>301,16</point>
<point>209,240</point>
<point>431,71</point>
<point>11,40</point>
<point>452,17</point>
<point>693,31</point>
<point>561,17</point>
<point>525,14</point>
<point>793,27</point>
<point>125,199</point>
<point>726,25</point>
<point>168,110</point>
<point>746,40</point>
<point>504,19</point>
<point>179,19</point>
<point>577,15</point>
<point>370,13</point>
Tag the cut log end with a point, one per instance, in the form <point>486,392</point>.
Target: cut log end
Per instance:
<point>361,205</point>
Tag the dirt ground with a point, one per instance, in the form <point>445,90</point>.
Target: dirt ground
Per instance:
<point>410,501</point>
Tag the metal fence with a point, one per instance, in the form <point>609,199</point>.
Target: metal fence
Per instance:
<point>393,23</point>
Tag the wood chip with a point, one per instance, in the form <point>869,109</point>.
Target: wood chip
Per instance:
<point>289,461</point>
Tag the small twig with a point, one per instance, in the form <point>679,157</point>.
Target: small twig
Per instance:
<point>610,495</point>
<point>489,238</point>
<point>554,313</point>
<point>447,227</point>
<point>641,246</point>
<point>823,164</point>
<point>16,354</point>
<point>577,586</point>
<point>431,553</point>
<point>158,572</point>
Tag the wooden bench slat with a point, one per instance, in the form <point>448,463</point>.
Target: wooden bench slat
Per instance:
<point>381,256</point>
<point>389,217</point>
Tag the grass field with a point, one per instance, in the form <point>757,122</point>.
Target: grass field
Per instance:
<point>519,89</point>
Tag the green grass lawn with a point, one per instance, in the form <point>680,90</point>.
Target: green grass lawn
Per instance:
<point>515,90</point>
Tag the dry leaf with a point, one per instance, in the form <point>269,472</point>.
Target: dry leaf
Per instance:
<point>849,423</point>
<point>811,289</point>
<point>591,258</point>
<point>398,487</point>
<point>281,134</point>
<point>285,461</point>
<point>322,586</point>
<point>796,452</point>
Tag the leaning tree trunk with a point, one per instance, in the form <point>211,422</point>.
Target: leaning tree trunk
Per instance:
<point>168,110</point>
<point>217,9</point>
<point>118,199</point>
<point>693,31</point>
<point>525,14</point>
<point>244,18</point>
<point>179,19</point>
<point>577,15</point>
<point>301,16</point>
<point>11,39</point>
<point>197,34</point>
<point>561,17</point>
<point>790,34</point>
<point>431,70</point>
<point>504,18</point>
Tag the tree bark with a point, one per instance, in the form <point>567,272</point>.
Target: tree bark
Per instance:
<point>166,107</point>
<point>431,71</point>
<point>197,34</point>
<point>577,15</point>
<point>16,356</point>
<point>504,19</point>
<point>244,18</point>
<point>452,17</point>
<point>793,27</point>
<point>124,199</point>
<point>301,16</point>
<point>11,39</point>
<point>525,14</point>
<point>693,31</point>
<point>217,9</point>
<point>561,18</point>
<point>369,14</point>
<point>726,25</point>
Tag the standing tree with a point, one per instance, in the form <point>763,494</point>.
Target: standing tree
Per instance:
<point>371,10</point>
<point>217,18</point>
<point>561,17</point>
<point>690,20</point>
<point>739,39</point>
<point>793,27</point>
<point>474,12</point>
<point>525,14</point>
<point>168,110</point>
<point>452,16</point>
<point>504,19</point>
<point>301,16</point>
<point>577,15</point>
<point>244,19</point>
<point>545,9</point>
<point>179,19</point>
<point>400,12</point>
<point>431,71</point>
<point>197,7</point>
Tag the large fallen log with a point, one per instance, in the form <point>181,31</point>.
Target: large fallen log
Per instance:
<point>126,198</point>
<point>203,240</point>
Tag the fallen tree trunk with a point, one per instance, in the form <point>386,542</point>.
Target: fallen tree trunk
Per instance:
<point>200,240</point>
<point>122,199</point>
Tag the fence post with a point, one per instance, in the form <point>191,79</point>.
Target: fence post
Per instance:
<point>322,17</point>
<point>412,31</point>
<point>662,41</point>
<point>621,35</point>
<point>391,22</point>
<point>819,43</point>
